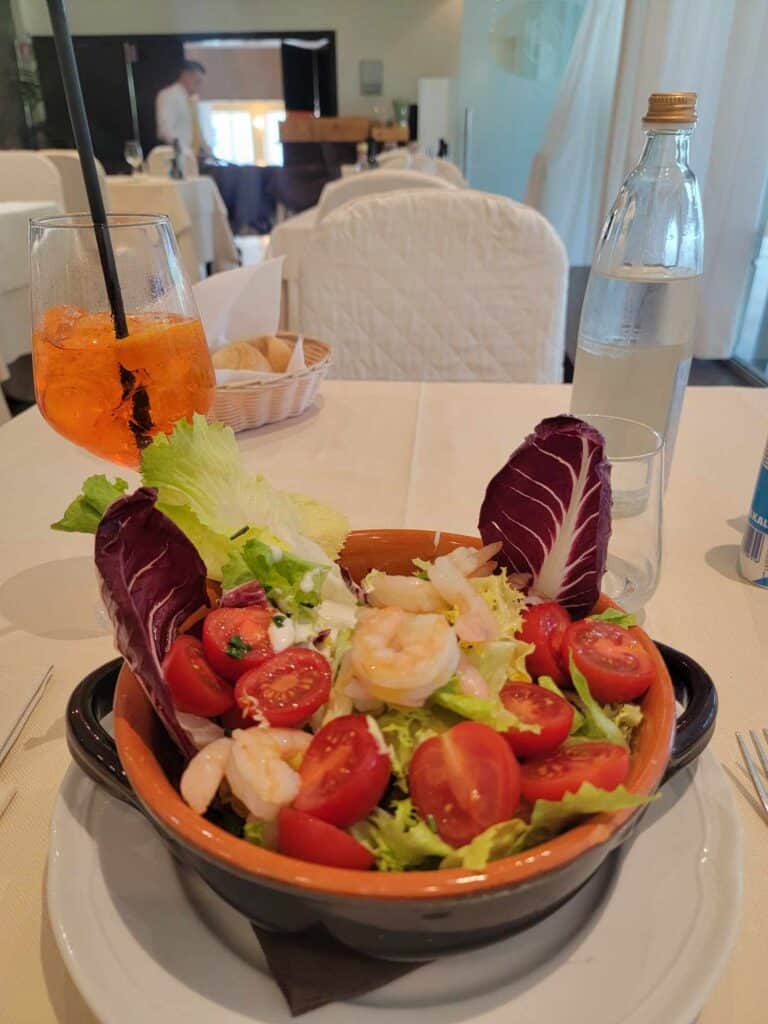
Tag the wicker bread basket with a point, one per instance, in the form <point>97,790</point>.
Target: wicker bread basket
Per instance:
<point>254,404</point>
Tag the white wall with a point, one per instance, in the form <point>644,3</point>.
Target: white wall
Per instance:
<point>412,37</point>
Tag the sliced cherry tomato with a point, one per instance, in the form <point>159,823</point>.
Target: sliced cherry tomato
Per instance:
<point>605,765</point>
<point>466,779</point>
<point>195,687</point>
<point>544,625</point>
<point>343,773</point>
<point>237,639</point>
<point>536,706</point>
<point>615,663</point>
<point>287,688</point>
<point>308,838</point>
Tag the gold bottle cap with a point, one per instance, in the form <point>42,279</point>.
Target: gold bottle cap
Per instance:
<point>671,108</point>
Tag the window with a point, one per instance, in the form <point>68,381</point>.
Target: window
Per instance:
<point>233,136</point>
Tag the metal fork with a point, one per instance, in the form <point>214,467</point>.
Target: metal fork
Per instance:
<point>759,780</point>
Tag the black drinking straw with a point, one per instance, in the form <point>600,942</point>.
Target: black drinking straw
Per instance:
<point>77,115</point>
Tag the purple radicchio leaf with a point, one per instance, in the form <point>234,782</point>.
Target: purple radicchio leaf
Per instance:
<point>550,506</point>
<point>152,579</point>
<point>245,594</point>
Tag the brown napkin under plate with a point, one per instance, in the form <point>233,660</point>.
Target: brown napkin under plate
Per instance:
<point>312,968</point>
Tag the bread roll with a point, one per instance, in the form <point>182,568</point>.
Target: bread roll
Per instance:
<point>279,354</point>
<point>241,355</point>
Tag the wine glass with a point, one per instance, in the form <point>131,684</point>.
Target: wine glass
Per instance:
<point>635,452</point>
<point>112,395</point>
<point>134,155</point>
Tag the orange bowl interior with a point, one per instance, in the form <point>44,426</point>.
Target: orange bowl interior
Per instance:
<point>139,736</point>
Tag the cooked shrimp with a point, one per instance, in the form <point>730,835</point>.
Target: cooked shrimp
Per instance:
<point>400,657</point>
<point>471,680</point>
<point>476,621</point>
<point>407,592</point>
<point>205,773</point>
<point>474,561</point>
<point>257,774</point>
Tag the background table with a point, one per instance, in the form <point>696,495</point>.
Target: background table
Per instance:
<point>195,209</point>
<point>15,337</point>
<point>390,455</point>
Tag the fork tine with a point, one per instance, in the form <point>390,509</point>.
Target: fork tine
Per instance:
<point>761,753</point>
<point>754,774</point>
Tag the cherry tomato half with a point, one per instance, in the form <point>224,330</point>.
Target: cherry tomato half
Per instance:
<point>616,665</point>
<point>544,625</point>
<point>300,835</point>
<point>536,706</point>
<point>466,779</point>
<point>236,639</point>
<point>343,773</point>
<point>287,688</point>
<point>605,765</point>
<point>195,687</point>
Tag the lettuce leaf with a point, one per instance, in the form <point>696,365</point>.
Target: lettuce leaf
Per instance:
<point>291,583</point>
<point>404,729</point>
<point>489,711</point>
<point>616,616</point>
<point>83,515</point>
<point>548,819</point>
<point>548,683</point>
<point>627,716</point>
<point>499,661</point>
<point>253,832</point>
<point>505,602</point>
<point>502,840</point>
<point>400,840</point>
<point>597,724</point>
<point>323,524</point>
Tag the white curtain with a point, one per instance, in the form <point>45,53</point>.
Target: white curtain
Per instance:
<point>572,157</point>
<point>718,49</point>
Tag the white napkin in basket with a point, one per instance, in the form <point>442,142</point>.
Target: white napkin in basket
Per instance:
<point>241,304</point>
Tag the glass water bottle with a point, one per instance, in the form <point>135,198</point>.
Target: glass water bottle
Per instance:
<point>636,331</point>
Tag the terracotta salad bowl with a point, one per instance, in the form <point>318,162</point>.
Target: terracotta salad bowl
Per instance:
<point>402,915</point>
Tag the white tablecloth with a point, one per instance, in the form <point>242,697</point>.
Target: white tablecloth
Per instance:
<point>195,209</point>
<point>289,238</point>
<point>390,454</point>
<point>15,331</point>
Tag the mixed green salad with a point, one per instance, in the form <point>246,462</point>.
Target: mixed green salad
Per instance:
<point>448,717</point>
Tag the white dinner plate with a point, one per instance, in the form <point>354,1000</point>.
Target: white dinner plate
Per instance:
<point>642,943</point>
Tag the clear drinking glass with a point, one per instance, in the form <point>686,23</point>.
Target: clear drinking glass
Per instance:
<point>636,454</point>
<point>106,394</point>
<point>134,155</point>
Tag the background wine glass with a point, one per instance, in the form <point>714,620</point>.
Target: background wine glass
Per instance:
<point>134,155</point>
<point>636,454</point>
<point>105,394</point>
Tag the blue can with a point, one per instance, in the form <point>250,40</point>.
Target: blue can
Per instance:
<point>753,559</point>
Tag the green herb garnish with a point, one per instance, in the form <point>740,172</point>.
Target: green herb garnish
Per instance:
<point>237,648</point>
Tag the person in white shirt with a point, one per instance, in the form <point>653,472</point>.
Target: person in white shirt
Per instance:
<point>176,111</point>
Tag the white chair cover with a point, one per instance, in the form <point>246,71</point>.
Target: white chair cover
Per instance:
<point>67,163</point>
<point>159,162</point>
<point>336,193</point>
<point>26,175</point>
<point>396,159</point>
<point>437,285</point>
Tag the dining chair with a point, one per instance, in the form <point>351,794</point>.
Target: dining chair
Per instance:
<point>290,238</point>
<point>67,163</point>
<point>437,285</point>
<point>159,162</point>
<point>337,193</point>
<point>27,175</point>
<point>397,159</point>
